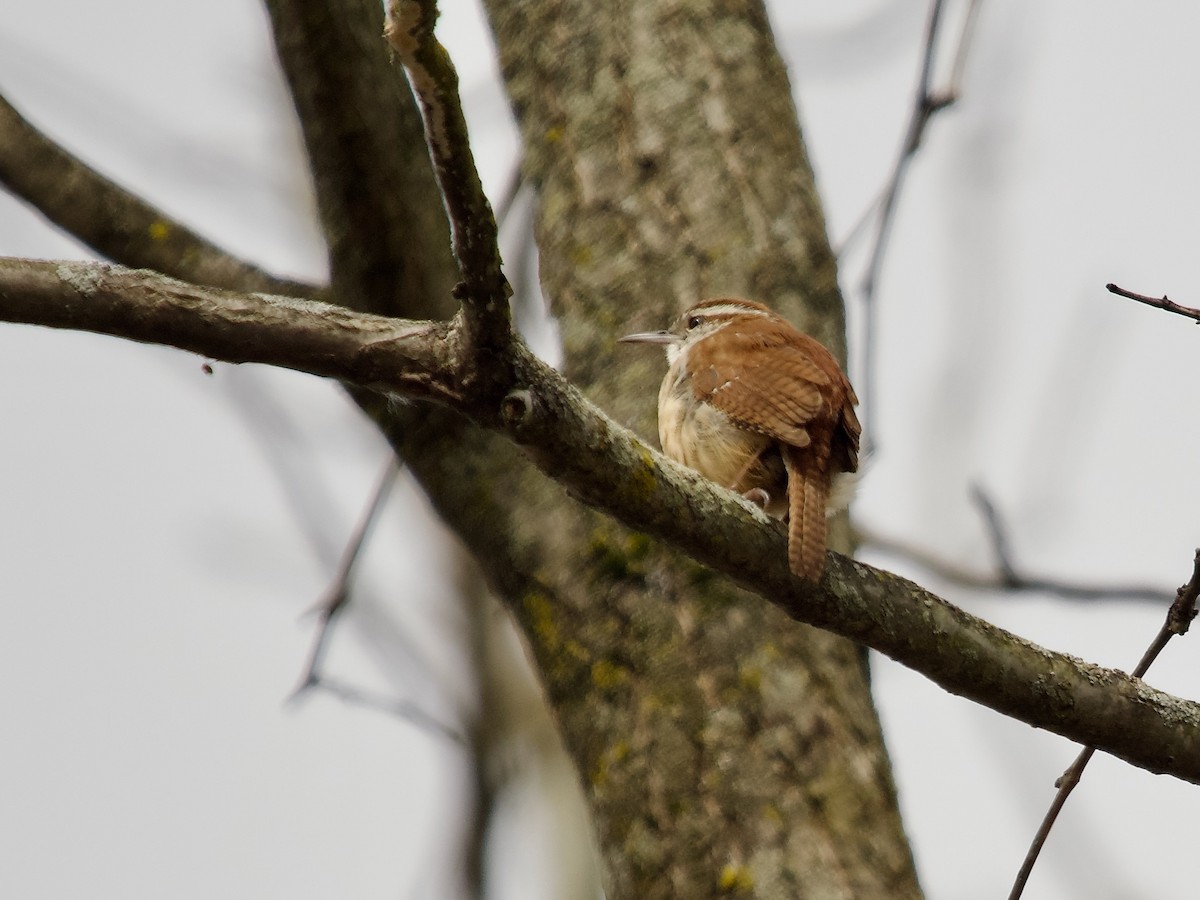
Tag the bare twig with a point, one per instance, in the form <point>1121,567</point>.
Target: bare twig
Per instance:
<point>484,291</point>
<point>998,535</point>
<point>484,727</point>
<point>927,104</point>
<point>1013,579</point>
<point>1017,582</point>
<point>605,466</point>
<point>959,67</point>
<point>329,610</point>
<point>400,709</point>
<point>1179,619</point>
<point>115,223</point>
<point>339,594</point>
<point>1162,302</point>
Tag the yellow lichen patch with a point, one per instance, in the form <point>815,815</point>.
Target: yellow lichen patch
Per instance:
<point>554,134</point>
<point>158,230</point>
<point>618,554</point>
<point>750,677</point>
<point>580,255</point>
<point>735,879</point>
<point>576,651</point>
<point>649,704</point>
<point>611,757</point>
<point>643,475</point>
<point>540,616</point>
<point>607,675</point>
<point>561,659</point>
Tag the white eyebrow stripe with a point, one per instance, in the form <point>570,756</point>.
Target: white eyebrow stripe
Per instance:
<point>730,309</point>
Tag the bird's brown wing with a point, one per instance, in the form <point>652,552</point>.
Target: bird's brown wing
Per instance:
<point>777,387</point>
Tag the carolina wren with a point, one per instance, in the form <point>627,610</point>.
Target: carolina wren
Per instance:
<point>763,409</point>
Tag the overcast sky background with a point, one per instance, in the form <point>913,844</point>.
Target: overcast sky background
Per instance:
<point>154,569</point>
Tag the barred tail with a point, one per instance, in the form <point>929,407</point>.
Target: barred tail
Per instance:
<point>807,494</point>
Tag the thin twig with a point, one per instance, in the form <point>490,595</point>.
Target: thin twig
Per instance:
<point>1017,582</point>
<point>998,534</point>
<point>923,109</point>
<point>484,729</point>
<point>401,709</point>
<point>964,43</point>
<point>1179,619</point>
<point>928,103</point>
<point>1012,579</point>
<point>339,594</point>
<point>329,610</point>
<point>1162,302</point>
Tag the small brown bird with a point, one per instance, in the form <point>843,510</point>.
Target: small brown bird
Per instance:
<point>758,406</point>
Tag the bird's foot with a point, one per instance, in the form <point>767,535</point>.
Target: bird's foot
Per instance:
<point>758,497</point>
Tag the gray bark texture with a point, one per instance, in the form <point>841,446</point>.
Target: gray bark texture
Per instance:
<point>722,747</point>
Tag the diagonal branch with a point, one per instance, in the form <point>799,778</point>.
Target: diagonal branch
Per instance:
<point>605,466</point>
<point>113,222</point>
<point>485,291</point>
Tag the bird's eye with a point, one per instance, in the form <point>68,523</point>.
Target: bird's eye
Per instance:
<point>694,322</point>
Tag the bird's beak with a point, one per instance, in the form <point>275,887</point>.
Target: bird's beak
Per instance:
<point>647,337</point>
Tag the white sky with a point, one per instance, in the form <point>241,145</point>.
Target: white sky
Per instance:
<point>154,576</point>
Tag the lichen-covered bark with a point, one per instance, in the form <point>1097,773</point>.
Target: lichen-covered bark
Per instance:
<point>723,747</point>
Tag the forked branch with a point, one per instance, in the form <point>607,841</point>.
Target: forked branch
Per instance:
<point>1178,621</point>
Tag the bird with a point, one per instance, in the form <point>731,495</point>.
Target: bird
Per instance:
<point>760,407</point>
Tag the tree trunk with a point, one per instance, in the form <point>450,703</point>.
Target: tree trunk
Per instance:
<point>665,149</point>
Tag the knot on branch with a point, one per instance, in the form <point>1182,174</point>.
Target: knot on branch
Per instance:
<point>492,293</point>
<point>516,407</point>
<point>1183,610</point>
